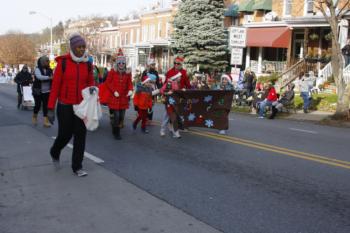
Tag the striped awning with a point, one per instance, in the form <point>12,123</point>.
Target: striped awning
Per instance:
<point>231,11</point>
<point>246,6</point>
<point>262,5</point>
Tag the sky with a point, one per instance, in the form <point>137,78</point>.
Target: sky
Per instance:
<point>15,13</point>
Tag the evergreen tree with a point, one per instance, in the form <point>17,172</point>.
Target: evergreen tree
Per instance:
<point>199,34</point>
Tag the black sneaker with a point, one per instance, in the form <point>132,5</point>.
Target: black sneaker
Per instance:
<point>145,131</point>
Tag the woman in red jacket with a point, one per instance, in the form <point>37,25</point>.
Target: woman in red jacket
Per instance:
<point>120,85</point>
<point>72,74</point>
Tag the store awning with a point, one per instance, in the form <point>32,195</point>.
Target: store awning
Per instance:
<point>262,5</point>
<point>231,11</point>
<point>274,37</point>
<point>246,6</point>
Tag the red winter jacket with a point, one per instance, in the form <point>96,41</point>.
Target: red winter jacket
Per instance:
<point>67,86</point>
<point>272,96</point>
<point>184,81</point>
<point>120,82</point>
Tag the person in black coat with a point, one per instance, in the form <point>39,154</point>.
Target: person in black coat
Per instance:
<point>41,89</point>
<point>23,78</point>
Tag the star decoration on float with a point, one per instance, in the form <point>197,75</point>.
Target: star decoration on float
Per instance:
<point>172,101</point>
<point>191,117</point>
<point>209,123</point>
<point>208,98</point>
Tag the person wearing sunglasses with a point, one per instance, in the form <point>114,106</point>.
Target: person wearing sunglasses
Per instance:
<point>183,84</point>
<point>119,83</point>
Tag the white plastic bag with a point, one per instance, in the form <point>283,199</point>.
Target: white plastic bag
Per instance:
<point>89,110</point>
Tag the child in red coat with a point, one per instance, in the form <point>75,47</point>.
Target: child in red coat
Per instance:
<point>143,101</point>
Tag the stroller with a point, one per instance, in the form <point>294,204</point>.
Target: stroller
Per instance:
<point>27,98</point>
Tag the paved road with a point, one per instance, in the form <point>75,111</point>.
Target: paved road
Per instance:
<point>264,176</point>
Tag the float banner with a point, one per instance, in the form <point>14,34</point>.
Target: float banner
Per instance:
<point>198,108</point>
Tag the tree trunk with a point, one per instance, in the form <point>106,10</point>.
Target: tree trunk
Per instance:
<point>337,64</point>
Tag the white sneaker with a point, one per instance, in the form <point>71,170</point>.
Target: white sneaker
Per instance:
<point>171,128</point>
<point>176,134</point>
<point>162,132</point>
<point>56,164</point>
<point>80,173</point>
<point>222,132</point>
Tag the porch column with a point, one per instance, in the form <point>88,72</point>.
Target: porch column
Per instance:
<point>247,58</point>
<point>320,49</point>
<point>260,60</point>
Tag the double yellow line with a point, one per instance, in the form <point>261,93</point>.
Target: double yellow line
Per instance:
<point>276,149</point>
<point>271,148</point>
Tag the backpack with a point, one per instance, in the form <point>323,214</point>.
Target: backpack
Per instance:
<point>64,64</point>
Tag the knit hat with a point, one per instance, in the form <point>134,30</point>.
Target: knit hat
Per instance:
<point>179,60</point>
<point>227,77</point>
<point>76,40</point>
<point>151,60</point>
<point>120,57</point>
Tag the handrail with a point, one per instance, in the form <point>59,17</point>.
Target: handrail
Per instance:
<point>292,73</point>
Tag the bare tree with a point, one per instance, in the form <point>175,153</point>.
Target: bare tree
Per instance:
<point>333,11</point>
<point>17,48</point>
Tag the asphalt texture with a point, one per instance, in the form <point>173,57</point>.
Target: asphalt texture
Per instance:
<point>231,185</point>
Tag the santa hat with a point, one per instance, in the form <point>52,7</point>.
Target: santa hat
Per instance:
<point>227,77</point>
<point>120,57</point>
<point>179,60</point>
<point>151,60</point>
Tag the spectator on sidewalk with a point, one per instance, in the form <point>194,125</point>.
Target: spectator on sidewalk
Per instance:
<point>271,97</point>
<point>346,53</point>
<point>305,85</point>
<point>41,89</point>
<point>72,74</point>
<point>23,78</point>
<point>286,98</point>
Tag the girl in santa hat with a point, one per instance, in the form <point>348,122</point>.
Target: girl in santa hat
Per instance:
<point>120,85</point>
<point>225,85</point>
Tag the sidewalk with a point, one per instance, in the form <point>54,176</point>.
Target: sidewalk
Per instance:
<point>34,197</point>
<point>310,116</point>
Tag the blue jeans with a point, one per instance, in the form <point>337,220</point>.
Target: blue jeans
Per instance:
<point>262,106</point>
<point>306,99</point>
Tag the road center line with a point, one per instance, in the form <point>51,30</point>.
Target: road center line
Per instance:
<point>86,154</point>
<point>304,131</point>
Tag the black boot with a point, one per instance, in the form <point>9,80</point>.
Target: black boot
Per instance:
<point>116,133</point>
<point>274,112</point>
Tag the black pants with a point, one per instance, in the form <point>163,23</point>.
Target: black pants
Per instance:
<point>69,125</point>
<point>42,98</point>
<point>118,117</point>
<point>19,99</point>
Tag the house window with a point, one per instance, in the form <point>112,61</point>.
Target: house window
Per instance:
<point>309,7</point>
<point>137,35</point>
<point>287,7</point>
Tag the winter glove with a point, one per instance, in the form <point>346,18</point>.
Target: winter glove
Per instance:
<point>129,93</point>
<point>116,94</point>
<point>136,108</point>
<point>92,90</point>
<point>155,92</point>
<point>51,116</point>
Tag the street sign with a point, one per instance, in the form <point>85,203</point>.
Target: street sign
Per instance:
<point>236,56</point>
<point>238,37</point>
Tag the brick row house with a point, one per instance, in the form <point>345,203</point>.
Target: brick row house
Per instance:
<point>281,33</point>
